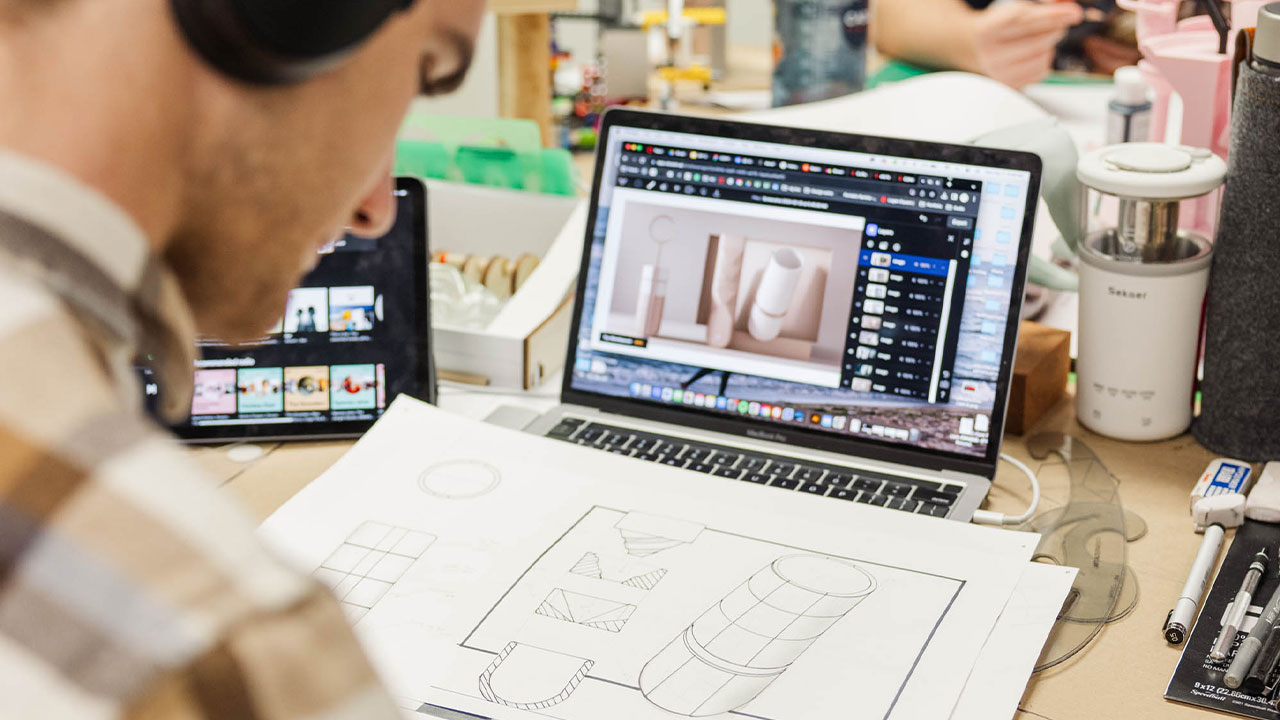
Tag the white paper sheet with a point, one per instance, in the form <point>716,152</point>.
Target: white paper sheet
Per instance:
<point>1009,656</point>
<point>461,548</point>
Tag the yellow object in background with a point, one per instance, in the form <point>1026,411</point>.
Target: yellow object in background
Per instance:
<point>695,73</point>
<point>701,16</point>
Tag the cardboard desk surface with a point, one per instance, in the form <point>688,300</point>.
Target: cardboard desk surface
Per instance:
<point>1121,674</point>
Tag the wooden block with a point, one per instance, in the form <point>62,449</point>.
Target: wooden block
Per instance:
<point>1040,371</point>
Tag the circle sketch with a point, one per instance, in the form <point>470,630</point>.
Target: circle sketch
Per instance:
<point>459,479</point>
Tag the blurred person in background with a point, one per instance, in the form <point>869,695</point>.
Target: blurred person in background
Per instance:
<point>1017,42</point>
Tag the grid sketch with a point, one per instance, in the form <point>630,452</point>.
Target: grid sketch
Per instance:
<point>372,559</point>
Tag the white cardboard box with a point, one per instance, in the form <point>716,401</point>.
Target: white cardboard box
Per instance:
<point>527,341</point>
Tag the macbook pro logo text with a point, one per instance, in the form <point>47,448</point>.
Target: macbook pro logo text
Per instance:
<point>764,435</point>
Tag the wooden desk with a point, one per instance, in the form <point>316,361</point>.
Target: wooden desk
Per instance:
<point>1121,674</point>
<point>1124,671</point>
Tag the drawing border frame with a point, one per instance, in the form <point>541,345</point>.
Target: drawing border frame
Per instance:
<point>465,643</point>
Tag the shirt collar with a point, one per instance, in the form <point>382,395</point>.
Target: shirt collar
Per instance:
<point>141,303</point>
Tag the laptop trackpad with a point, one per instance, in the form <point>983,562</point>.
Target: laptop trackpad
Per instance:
<point>512,417</point>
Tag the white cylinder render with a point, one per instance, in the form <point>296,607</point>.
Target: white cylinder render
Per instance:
<point>777,288</point>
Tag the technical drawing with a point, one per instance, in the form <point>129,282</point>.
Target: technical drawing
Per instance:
<point>644,534</point>
<point>459,479</point>
<point>531,678</point>
<point>634,673</point>
<point>630,573</point>
<point>743,643</point>
<point>369,562</point>
<point>592,612</point>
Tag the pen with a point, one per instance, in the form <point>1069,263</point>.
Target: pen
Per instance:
<point>447,714</point>
<point>1184,611</point>
<point>1243,662</point>
<point>1239,606</point>
<point>1258,680</point>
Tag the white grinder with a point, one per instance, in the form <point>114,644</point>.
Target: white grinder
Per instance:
<point>1142,291</point>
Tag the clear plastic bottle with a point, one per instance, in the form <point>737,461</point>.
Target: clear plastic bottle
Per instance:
<point>1129,113</point>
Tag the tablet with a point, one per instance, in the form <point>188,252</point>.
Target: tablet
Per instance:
<point>355,334</point>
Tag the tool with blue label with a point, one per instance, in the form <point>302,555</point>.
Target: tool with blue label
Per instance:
<point>1217,503</point>
<point>1222,477</point>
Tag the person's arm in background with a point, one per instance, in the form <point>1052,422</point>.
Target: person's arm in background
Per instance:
<point>1013,42</point>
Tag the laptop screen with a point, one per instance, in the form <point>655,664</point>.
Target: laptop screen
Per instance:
<point>851,294</point>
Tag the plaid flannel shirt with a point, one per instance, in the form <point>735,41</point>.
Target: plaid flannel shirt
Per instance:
<point>129,586</point>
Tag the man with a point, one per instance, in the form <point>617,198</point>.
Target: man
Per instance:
<point>307,324</point>
<point>1015,41</point>
<point>134,179</point>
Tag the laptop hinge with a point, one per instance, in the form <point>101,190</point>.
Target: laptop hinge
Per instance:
<point>764,446</point>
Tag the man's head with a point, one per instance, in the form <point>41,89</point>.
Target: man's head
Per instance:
<point>238,184</point>
<point>285,169</point>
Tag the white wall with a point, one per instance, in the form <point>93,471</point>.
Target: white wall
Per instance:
<point>750,22</point>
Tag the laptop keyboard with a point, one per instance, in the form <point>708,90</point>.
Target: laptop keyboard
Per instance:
<point>896,493</point>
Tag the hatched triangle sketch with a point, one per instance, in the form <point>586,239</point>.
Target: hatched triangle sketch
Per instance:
<point>626,572</point>
<point>646,581</point>
<point>586,610</point>
<point>589,566</point>
<point>644,545</point>
<point>532,678</point>
<point>644,534</point>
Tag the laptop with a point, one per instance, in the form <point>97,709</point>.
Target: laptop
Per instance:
<point>821,313</point>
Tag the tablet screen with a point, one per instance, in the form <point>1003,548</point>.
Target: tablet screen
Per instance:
<point>353,337</point>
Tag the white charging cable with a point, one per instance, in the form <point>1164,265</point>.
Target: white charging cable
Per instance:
<point>987,517</point>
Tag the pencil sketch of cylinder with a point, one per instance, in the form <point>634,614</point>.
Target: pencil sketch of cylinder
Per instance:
<point>743,643</point>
